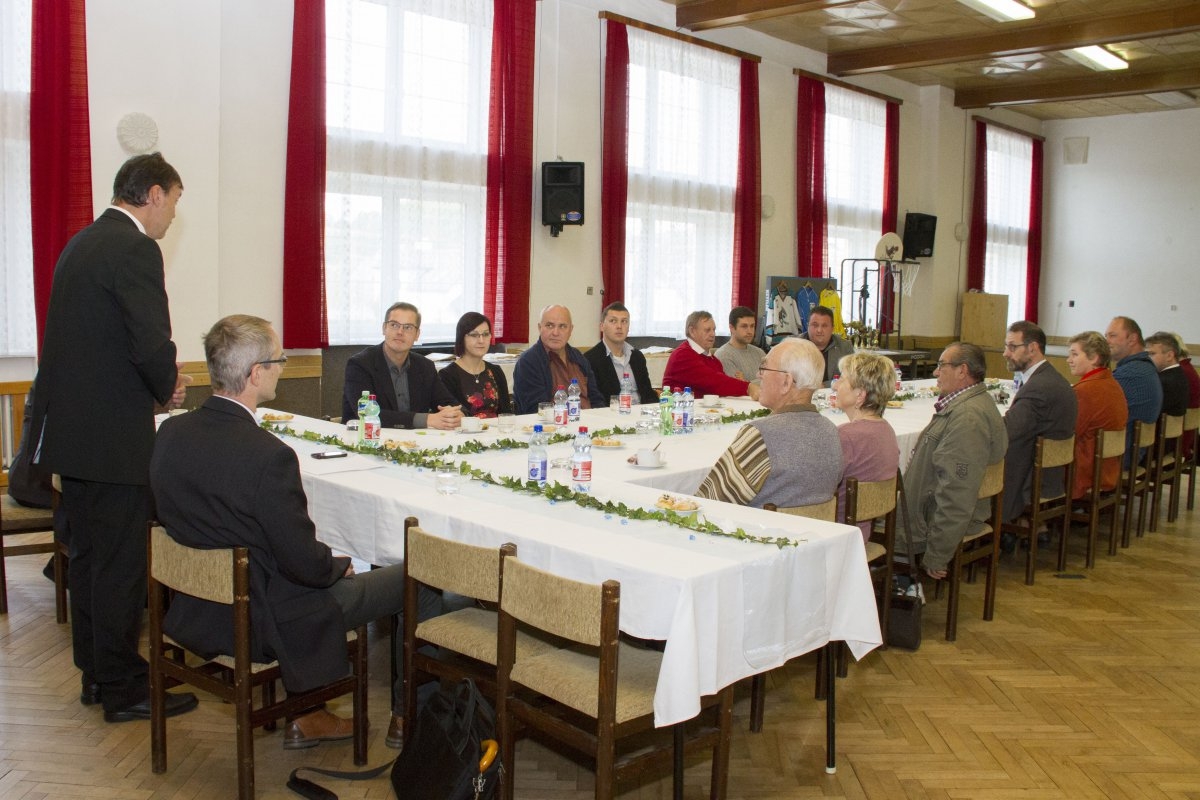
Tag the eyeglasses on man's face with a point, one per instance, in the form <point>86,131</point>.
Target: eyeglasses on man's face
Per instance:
<point>942,364</point>
<point>1010,346</point>
<point>763,369</point>
<point>281,361</point>
<point>407,327</point>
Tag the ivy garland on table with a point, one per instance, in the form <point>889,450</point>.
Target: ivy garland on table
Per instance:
<point>555,492</point>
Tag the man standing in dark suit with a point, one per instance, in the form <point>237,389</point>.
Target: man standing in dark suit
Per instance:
<point>1043,405</point>
<point>107,358</point>
<point>219,480</point>
<point>405,383</point>
<point>614,356</point>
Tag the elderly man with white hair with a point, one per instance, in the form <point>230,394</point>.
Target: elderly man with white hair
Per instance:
<point>794,456</point>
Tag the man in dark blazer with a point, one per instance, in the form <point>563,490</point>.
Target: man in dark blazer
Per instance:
<point>107,359</point>
<point>405,383</point>
<point>219,480</point>
<point>1043,405</point>
<point>614,350</point>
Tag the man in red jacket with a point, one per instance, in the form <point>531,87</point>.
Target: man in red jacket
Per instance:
<point>692,363</point>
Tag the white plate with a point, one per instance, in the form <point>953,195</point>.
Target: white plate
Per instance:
<point>608,446</point>
<point>686,513</point>
<point>280,422</point>
<point>717,404</point>
<point>659,465</point>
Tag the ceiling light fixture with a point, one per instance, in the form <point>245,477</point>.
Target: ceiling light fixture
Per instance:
<point>1096,57</point>
<point>1172,98</point>
<point>1000,10</point>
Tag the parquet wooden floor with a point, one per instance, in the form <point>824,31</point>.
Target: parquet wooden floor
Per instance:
<point>1086,685</point>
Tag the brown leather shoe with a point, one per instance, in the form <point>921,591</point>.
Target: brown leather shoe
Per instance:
<point>395,734</point>
<point>316,727</point>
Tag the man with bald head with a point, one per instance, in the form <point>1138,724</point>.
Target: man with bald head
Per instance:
<point>1136,373</point>
<point>551,362</point>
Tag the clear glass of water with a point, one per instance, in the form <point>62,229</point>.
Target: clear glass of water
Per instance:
<point>446,478</point>
<point>506,423</point>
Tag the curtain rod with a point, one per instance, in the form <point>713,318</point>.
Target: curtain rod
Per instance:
<point>834,81</point>
<point>1009,128</point>
<point>683,37</point>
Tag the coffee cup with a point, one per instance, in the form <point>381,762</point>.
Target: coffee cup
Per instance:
<point>471,425</point>
<point>647,457</point>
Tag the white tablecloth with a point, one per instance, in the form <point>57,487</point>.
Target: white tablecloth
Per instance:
<point>727,609</point>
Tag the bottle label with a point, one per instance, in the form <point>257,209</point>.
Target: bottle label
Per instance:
<point>573,409</point>
<point>537,470</point>
<point>581,471</point>
<point>371,432</point>
<point>560,415</point>
<point>626,404</point>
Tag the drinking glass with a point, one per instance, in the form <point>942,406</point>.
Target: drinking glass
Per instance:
<point>506,423</point>
<point>446,477</point>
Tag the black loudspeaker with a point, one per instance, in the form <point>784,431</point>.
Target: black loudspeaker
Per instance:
<point>918,235</point>
<point>562,194</point>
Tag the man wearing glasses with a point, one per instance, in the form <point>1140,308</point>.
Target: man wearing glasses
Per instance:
<point>943,478</point>
<point>1043,405</point>
<point>405,383</point>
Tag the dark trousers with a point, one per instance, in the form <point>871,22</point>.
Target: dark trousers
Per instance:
<point>108,585</point>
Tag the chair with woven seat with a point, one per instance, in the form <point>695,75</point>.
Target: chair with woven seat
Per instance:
<point>1136,479</point>
<point>1167,468</point>
<point>462,643</point>
<point>1047,454</point>
<point>19,520</point>
<point>223,576</point>
<point>1109,445</point>
<point>596,693</point>
<point>982,547</point>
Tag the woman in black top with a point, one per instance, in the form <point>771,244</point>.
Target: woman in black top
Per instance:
<point>480,387</point>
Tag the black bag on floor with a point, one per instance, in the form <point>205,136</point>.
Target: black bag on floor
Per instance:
<point>442,759</point>
<point>450,755</point>
<point>904,619</point>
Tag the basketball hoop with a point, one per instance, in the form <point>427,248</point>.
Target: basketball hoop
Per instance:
<point>909,274</point>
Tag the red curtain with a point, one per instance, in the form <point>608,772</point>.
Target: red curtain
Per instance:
<point>510,170</point>
<point>614,176</point>
<point>747,204</point>
<point>891,194</point>
<point>1033,271</point>
<point>810,178</point>
<point>304,314</point>
<point>977,233</point>
<point>60,148</point>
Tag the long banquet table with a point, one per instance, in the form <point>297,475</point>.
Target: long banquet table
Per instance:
<point>727,609</point>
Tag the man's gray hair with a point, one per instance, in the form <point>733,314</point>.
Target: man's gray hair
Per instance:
<point>232,347</point>
<point>971,355</point>
<point>694,319</point>
<point>402,306</point>
<point>802,360</point>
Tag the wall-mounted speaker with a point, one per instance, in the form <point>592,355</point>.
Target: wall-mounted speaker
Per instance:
<point>919,231</point>
<point>562,194</point>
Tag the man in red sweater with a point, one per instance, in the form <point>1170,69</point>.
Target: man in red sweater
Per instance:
<point>692,363</point>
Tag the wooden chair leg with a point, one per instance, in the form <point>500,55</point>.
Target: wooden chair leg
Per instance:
<point>360,697</point>
<point>3,581</point>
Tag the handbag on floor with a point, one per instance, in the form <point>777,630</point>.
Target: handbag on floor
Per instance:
<point>907,599</point>
<point>450,754</point>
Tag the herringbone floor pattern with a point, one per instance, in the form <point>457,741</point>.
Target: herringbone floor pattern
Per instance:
<point>1086,685</point>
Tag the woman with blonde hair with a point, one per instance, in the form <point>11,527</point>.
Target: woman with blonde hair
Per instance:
<point>1102,405</point>
<point>870,451</point>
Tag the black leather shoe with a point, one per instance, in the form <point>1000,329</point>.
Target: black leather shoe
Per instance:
<point>89,694</point>
<point>176,704</point>
<point>1008,543</point>
<point>1044,539</point>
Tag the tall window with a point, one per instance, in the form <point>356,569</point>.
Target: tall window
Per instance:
<point>407,116</point>
<point>1009,182</point>
<point>855,135</point>
<point>18,335</point>
<point>683,150</point>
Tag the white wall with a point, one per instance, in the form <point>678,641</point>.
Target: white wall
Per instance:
<point>1121,230</point>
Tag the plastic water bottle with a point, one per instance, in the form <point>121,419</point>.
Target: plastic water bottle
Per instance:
<point>372,430</point>
<point>899,380</point>
<point>665,424</point>
<point>537,456</point>
<point>362,413</point>
<point>833,406</point>
<point>560,406</point>
<point>626,396</point>
<point>677,414</point>
<point>581,461</point>
<point>689,407</point>
<point>573,403</point>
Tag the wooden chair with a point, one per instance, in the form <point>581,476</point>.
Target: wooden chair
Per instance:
<point>1047,454</point>
<point>1109,445</point>
<point>976,549</point>
<point>19,520</point>
<point>1191,432</point>
<point>223,576</point>
<point>1136,479</point>
<point>596,693</point>
<point>1167,469</point>
<point>462,643</point>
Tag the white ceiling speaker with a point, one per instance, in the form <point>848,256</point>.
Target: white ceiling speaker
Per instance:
<point>1075,150</point>
<point>137,133</point>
